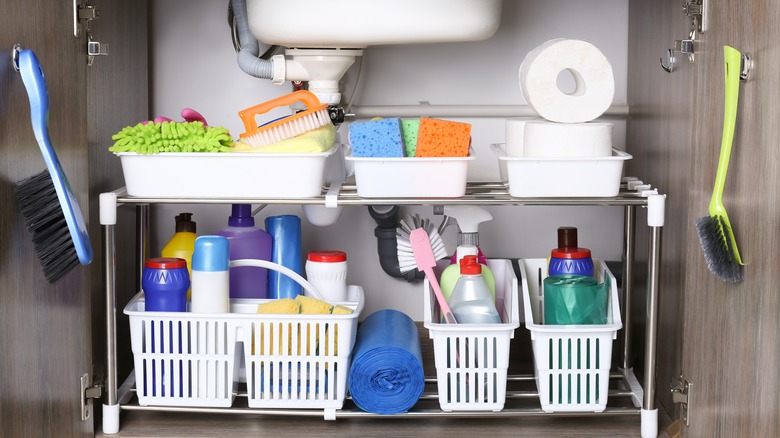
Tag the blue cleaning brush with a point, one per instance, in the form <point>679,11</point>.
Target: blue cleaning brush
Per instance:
<point>50,209</point>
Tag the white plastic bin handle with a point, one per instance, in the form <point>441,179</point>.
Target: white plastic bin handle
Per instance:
<point>277,267</point>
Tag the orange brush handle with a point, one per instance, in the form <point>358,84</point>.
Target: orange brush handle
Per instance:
<point>248,115</point>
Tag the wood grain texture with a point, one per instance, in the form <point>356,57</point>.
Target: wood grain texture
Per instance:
<point>45,340</point>
<point>659,132</point>
<point>732,347</point>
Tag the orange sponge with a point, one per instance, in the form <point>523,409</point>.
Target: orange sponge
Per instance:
<point>443,138</point>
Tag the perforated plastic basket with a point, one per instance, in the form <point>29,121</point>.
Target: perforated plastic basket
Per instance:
<point>472,359</point>
<point>291,361</point>
<point>571,362</point>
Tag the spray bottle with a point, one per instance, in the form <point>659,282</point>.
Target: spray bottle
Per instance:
<point>468,217</point>
<point>182,243</point>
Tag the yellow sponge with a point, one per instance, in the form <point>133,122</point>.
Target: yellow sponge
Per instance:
<point>443,138</point>
<point>282,305</point>
<point>313,306</point>
<point>341,310</point>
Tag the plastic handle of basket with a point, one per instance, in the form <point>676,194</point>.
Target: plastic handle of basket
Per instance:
<point>277,267</point>
<point>248,115</point>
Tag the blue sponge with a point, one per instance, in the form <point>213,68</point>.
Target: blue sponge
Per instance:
<point>377,138</point>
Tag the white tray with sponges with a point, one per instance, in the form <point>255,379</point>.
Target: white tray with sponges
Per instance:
<point>411,177</point>
<point>225,174</point>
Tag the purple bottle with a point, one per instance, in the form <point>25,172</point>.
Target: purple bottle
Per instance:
<point>247,242</point>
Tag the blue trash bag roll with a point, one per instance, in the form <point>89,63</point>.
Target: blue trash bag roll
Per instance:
<point>386,375</point>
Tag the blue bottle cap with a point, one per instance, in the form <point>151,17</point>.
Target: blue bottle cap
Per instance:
<point>211,253</point>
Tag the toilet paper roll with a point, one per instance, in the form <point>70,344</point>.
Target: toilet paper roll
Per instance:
<point>593,77</point>
<point>551,139</point>
<point>515,130</point>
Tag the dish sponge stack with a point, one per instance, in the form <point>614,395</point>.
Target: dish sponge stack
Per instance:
<point>395,137</point>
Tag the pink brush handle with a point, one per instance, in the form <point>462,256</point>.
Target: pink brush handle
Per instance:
<point>445,308</point>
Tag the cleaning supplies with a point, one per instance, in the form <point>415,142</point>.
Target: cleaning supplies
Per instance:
<point>182,243</point>
<point>715,231</point>
<point>568,258</point>
<point>165,282</point>
<point>247,242</point>
<point>407,260</point>
<point>211,275</point>
<point>46,200</point>
<point>315,116</point>
<point>315,141</point>
<point>327,272</point>
<point>157,137</point>
<point>285,232</point>
<point>471,301</point>
<point>425,261</point>
<point>377,138</point>
<point>443,138</point>
<point>468,218</point>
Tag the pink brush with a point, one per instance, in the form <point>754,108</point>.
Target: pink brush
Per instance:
<point>423,254</point>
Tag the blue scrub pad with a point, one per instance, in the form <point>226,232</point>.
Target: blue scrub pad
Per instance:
<point>377,138</point>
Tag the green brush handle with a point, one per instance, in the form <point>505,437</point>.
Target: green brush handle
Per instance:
<point>732,60</point>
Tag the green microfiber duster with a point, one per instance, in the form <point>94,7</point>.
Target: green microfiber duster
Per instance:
<point>153,138</point>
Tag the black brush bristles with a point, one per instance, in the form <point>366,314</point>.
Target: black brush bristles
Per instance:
<point>713,235</point>
<point>38,202</point>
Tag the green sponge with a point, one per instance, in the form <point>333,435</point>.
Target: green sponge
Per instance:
<point>409,128</point>
<point>153,138</point>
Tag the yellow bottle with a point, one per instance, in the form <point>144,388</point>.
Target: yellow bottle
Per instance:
<point>182,243</point>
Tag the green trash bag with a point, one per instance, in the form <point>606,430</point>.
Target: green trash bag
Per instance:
<point>575,299</point>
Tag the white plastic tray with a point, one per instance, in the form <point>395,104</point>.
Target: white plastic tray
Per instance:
<point>472,359</point>
<point>410,177</point>
<point>571,362</point>
<point>224,174</point>
<point>536,177</point>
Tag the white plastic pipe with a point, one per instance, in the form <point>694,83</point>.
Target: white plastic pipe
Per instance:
<point>428,110</point>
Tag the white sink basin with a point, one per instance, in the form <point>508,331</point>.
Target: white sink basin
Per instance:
<point>362,23</point>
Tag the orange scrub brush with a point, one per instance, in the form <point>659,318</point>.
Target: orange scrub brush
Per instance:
<point>315,116</point>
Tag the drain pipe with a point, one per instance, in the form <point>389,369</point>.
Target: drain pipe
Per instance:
<point>249,50</point>
<point>386,218</point>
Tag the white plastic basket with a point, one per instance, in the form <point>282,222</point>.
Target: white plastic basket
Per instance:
<point>472,359</point>
<point>291,361</point>
<point>571,362</point>
<point>411,177</point>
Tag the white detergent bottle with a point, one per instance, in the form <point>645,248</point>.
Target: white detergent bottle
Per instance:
<point>471,301</point>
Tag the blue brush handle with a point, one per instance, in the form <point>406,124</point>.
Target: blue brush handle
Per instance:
<point>34,82</point>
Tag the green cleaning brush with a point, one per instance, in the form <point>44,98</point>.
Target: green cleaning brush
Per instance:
<point>715,231</point>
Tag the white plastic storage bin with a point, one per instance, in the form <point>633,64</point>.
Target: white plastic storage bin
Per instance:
<point>571,362</point>
<point>410,177</point>
<point>224,174</point>
<point>193,359</point>
<point>555,177</point>
<point>472,359</point>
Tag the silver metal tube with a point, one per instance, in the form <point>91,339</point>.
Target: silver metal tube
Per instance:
<point>428,110</point>
<point>109,256</point>
<point>653,262</point>
<point>142,243</point>
<point>627,288</point>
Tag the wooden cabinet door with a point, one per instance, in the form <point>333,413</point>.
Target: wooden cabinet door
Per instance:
<point>45,344</point>
<point>723,337</point>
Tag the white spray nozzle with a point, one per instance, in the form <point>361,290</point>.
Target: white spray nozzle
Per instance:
<point>468,216</point>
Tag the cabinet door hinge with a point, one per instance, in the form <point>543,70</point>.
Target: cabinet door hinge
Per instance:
<point>89,392</point>
<point>681,394</point>
<point>83,15</point>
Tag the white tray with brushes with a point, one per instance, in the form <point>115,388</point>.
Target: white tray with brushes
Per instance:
<point>225,174</point>
<point>411,177</point>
